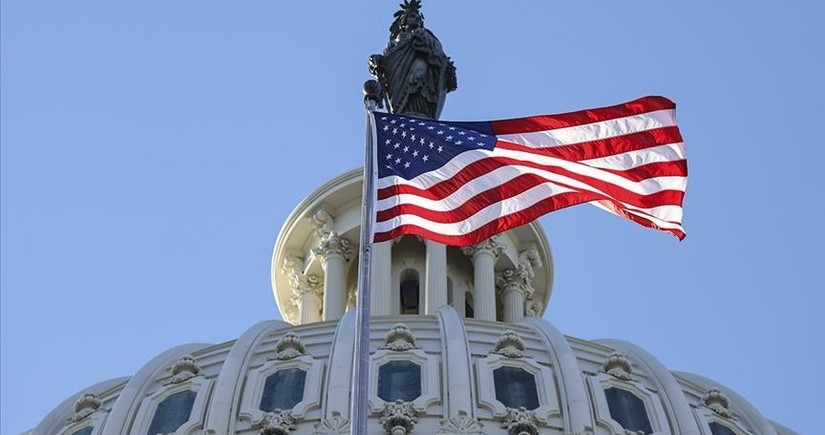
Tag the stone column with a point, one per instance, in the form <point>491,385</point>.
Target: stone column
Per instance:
<point>333,253</point>
<point>484,261</point>
<point>381,278</point>
<point>435,289</point>
<point>306,295</point>
<point>459,298</point>
<point>515,287</point>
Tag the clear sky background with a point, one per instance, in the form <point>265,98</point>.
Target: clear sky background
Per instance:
<point>152,150</point>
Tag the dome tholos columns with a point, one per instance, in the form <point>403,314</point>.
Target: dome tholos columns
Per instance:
<point>314,266</point>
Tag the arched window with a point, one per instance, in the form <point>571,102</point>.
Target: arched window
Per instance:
<point>515,387</point>
<point>469,306</point>
<point>628,410</point>
<point>409,291</point>
<point>85,431</point>
<point>283,389</point>
<point>720,429</point>
<point>172,412</point>
<point>399,380</point>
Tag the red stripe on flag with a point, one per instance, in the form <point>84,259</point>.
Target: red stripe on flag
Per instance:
<point>548,122</point>
<point>603,147</point>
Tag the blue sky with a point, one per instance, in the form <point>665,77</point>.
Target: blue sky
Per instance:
<point>151,151</point>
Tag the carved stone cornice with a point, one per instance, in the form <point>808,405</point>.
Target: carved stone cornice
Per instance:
<point>277,423</point>
<point>618,365</point>
<point>490,246</point>
<point>519,279</point>
<point>509,345</point>
<point>398,418</point>
<point>183,369</point>
<point>333,246</point>
<point>461,424</point>
<point>520,422</point>
<point>289,346</point>
<point>335,425</point>
<point>399,339</point>
<point>84,406</point>
<point>718,402</point>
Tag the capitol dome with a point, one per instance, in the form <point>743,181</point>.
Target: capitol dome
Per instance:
<point>457,346</point>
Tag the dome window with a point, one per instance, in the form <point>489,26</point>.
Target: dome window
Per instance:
<point>399,380</point>
<point>628,410</point>
<point>172,412</point>
<point>409,291</point>
<point>469,306</point>
<point>88,431</point>
<point>283,389</point>
<point>515,387</point>
<point>720,429</point>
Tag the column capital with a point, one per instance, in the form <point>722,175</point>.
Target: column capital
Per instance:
<point>299,282</point>
<point>518,279</point>
<point>333,245</point>
<point>491,246</point>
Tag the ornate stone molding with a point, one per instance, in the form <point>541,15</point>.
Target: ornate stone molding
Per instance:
<point>491,246</point>
<point>323,223</point>
<point>84,406</point>
<point>529,256</point>
<point>509,345</point>
<point>461,424</point>
<point>519,279</point>
<point>333,245</point>
<point>300,283</point>
<point>335,425</point>
<point>277,423</point>
<point>398,418</point>
<point>399,338</point>
<point>533,308</point>
<point>289,346</point>
<point>717,402</point>
<point>618,365</point>
<point>183,369</point>
<point>520,422</point>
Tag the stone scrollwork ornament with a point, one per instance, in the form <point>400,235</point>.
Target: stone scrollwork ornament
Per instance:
<point>717,402</point>
<point>289,346</point>
<point>84,406</point>
<point>520,422</point>
<point>509,345</point>
<point>461,424</point>
<point>398,418</point>
<point>413,71</point>
<point>277,423</point>
<point>185,368</point>
<point>618,366</point>
<point>335,425</point>
<point>400,339</point>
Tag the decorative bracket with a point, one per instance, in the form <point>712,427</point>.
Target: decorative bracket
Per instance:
<point>398,418</point>
<point>183,369</point>
<point>618,365</point>
<point>509,345</point>
<point>399,338</point>
<point>289,346</point>
<point>84,406</point>
<point>277,423</point>
<point>520,422</point>
<point>717,402</point>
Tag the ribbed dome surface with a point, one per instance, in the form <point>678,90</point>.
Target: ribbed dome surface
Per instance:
<point>452,375</point>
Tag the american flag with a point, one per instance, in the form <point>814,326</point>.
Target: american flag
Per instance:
<point>459,183</point>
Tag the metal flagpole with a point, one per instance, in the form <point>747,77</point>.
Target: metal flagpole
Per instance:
<point>360,369</point>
